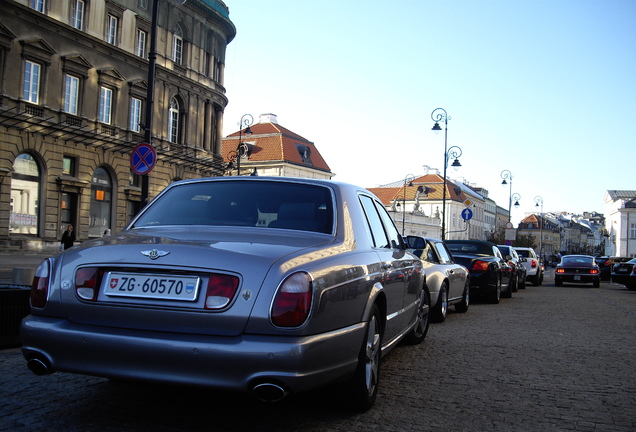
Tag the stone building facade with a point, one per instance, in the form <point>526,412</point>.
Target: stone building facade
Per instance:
<point>73,90</point>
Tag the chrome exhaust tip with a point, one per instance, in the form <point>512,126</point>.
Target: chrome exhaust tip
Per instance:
<point>39,367</point>
<point>269,392</point>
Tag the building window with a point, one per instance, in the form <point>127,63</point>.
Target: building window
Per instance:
<point>25,195</point>
<point>177,45</point>
<point>71,92</point>
<point>143,4</point>
<point>173,120</point>
<point>142,36</point>
<point>135,114</point>
<point>632,231</point>
<point>105,104</point>
<point>101,203</point>
<point>111,29</point>
<point>38,5</point>
<point>68,166</point>
<point>31,82</point>
<point>77,14</point>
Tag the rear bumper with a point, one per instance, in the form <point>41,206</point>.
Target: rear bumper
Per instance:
<point>233,363</point>
<point>578,278</point>
<point>624,279</point>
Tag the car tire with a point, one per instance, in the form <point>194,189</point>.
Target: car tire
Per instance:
<point>508,292</point>
<point>363,387</point>
<point>420,330</point>
<point>515,284</point>
<point>440,310</point>
<point>558,282</point>
<point>495,296</point>
<point>462,306</point>
<point>522,283</point>
<point>536,280</point>
<point>597,283</point>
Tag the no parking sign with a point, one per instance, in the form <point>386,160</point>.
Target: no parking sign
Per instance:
<point>143,158</point>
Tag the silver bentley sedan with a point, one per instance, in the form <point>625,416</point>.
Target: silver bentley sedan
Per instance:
<point>262,285</point>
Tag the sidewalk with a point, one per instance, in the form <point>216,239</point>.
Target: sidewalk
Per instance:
<point>25,262</point>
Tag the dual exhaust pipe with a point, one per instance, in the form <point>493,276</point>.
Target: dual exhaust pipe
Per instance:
<point>265,392</point>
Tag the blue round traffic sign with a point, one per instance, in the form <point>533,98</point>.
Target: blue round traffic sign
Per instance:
<point>467,214</point>
<point>143,159</point>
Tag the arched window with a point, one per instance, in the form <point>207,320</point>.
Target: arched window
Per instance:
<point>25,195</point>
<point>101,203</point>
<point>173,120</point>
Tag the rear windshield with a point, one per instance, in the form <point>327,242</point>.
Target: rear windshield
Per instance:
<point>283,205</point>
<point>523,253</point>
<point>578,260</point>
<point>473,248</point>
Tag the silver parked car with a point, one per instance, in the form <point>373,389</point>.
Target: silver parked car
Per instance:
<point>263,285</point>
<point>447,281</point>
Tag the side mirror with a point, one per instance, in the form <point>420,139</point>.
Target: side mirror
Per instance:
<point>415,242</point>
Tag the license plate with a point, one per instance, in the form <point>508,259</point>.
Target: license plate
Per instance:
<point>621,270</point>
<point>162,287</point>
<point>577,277</point>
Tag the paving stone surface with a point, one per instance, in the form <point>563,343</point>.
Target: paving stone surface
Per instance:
<point>549,359</point>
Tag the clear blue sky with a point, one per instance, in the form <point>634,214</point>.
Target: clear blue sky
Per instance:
<point>544,89</point>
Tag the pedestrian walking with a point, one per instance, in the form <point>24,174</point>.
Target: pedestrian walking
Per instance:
<point>68,238</point>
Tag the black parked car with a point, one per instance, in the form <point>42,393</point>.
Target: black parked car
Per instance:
<point>490,274</point>
<point>519,272</point>
<point>606,265</point>
<point>577,269</point>
<point>625,273</point>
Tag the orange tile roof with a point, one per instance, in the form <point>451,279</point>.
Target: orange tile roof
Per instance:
<point>434,183</point>
<point>273,142</point>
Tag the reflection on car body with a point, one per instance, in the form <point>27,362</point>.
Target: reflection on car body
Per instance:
<point>266,285</point>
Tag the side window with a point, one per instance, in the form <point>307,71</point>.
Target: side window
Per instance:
<point>443,253</point>
<point>378,235</point>
<point>428,254</point>
<point>391,230</point>
<point>495,252</point>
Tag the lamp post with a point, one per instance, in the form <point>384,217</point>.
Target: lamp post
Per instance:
<point>538,200</point>
<point>438,115</point>
<point>150,94</point>
<point>246,121</point>
<point>409,178</point>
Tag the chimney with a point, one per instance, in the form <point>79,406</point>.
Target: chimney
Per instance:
<point>268,118</point>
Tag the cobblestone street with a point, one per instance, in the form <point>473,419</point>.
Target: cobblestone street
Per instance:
<point>549,359</point>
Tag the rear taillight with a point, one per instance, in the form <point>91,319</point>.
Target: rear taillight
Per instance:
<point>480,266</point>
<point>292,302</point>
<point>560,270</point>
<point>594,271</point>
<point>40,287</point>
<point>87,282</point>
<point>534,263</point>
<point>221,291</point>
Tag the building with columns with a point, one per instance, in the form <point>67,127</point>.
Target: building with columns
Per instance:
<point>73,90</point>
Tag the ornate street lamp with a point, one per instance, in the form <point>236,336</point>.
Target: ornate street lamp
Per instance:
<point>438,115</point>
<point>539,201</point>
<point>246,121</point>
<point>507,175</point>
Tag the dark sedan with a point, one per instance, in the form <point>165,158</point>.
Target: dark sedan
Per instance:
<point>606,265</point>
<point>577,269</point>
<point>625,273</point>
<point>489,272</point>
